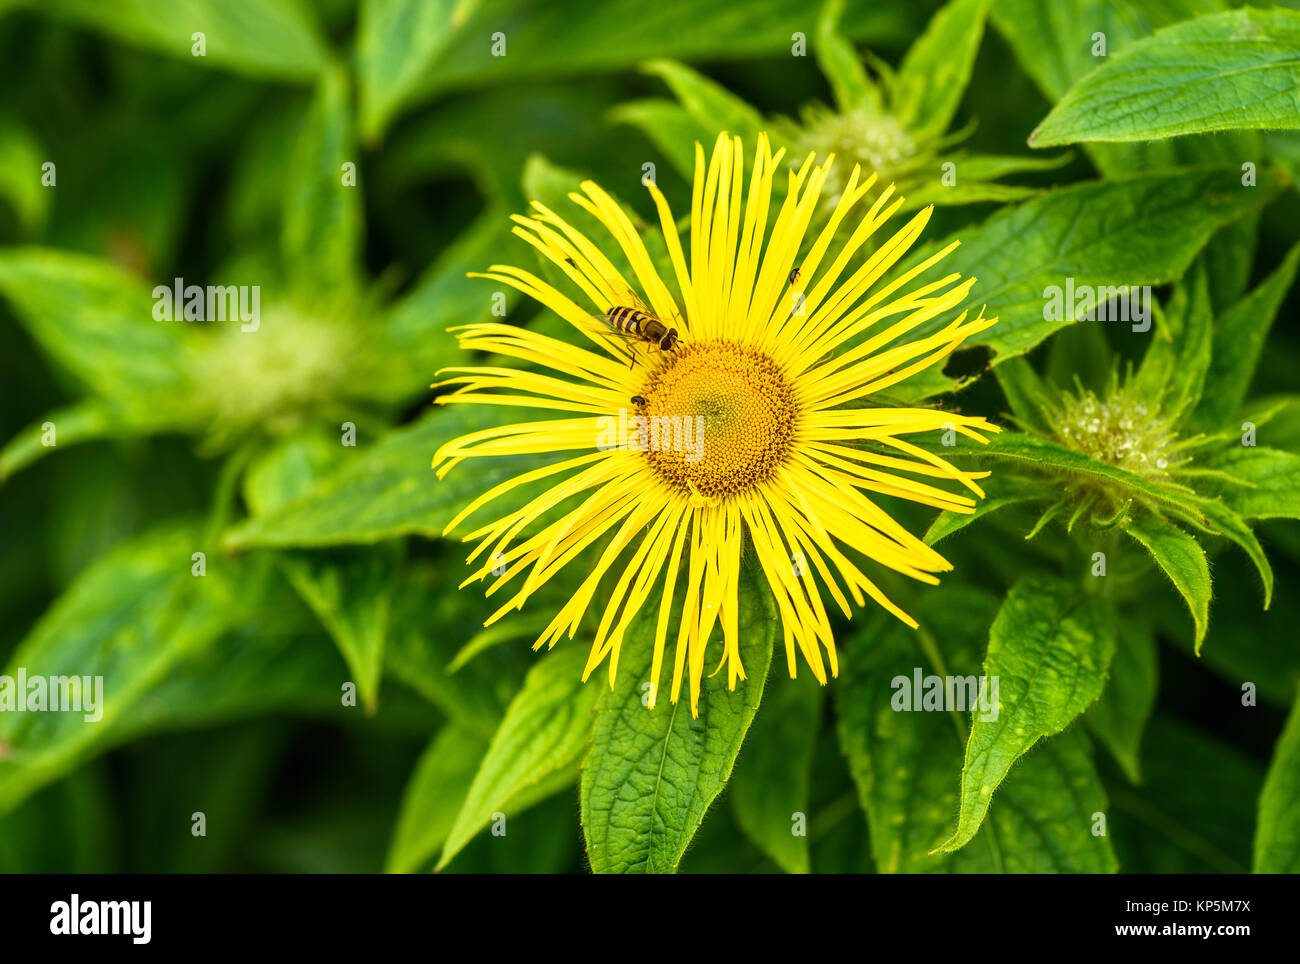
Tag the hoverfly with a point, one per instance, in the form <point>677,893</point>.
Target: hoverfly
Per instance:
<point>638,323</point>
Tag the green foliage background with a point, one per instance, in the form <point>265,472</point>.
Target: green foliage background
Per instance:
<point>1122,696</point>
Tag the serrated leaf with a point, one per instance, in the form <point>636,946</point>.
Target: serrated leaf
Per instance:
<point>1045,454</point>
<point>936,70</point>
<point>433,797</point>
<point>1221,520</point>
<point>1143,230</point>
<point>1268,486</point>
<point>397,42</point>
<point>322,211</point>
<point>1120,716</point>
<point>1182,559</point>
<point>351,593</point>
<point>1049,649</point>
<point>544,734</point>
<point>1057,54</point>
<point>390,490</point>
<point>1277,834</point>
<point>907,765</point>
<point>770,787</point>
<point>652,773</point>
<point>1239,335</point>
<point>1054,791</point>
<point>1234,70</point>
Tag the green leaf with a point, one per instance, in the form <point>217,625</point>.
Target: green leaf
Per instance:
<point>289,469</point>
<point>350,591</point>
<point>1053,790</point>
<point>1268,486</point>
<point>840,62</point>
<point>669,126</point>
<point>1143,230</point>
<point>1221,520</point>
<point>1000,490</point>
<point>83,421</point>
<point>130,618</point>
<point>1044,454</point>
<point>1049,649</point>
<point>322,205</point>
<point>935,72</point>
<point>1056,53</point>
<point>990,167</point>
<point>1239,335</point>
<point>262,38</point>
<point>1175,365</point>
<point>397,42</point>
<point>389,490</point>
<point>430,621</point>
<point>907,764</point>
<point>1277,835</point>
<point>21,158</point>
<point>548,39</point>
<point>709,103</point>
<point>1026,393</point>
<point>433,797</point>
<point>770,787</point>
<point>652,773</point>
<point>1120,716</point>
<point>1235,70</point>
<point>1052,46</point>
<point>539,744</point>
<point>1229,257</point>
<point>1182,559</point>
<point>96,321</point>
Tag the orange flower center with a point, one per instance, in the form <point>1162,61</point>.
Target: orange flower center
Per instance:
<point>721,418</point>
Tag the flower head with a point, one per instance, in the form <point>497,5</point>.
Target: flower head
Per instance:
<point>756,433</point>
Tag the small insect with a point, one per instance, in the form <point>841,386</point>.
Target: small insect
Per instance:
<point>639,323</point>
<point>638,401</point>
<point>571,262</point>
<point>794,275</point>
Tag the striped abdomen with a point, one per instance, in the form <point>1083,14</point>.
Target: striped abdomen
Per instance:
<point>633,321</point>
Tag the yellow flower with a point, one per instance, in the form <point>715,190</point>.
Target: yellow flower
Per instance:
<point>775,369</point>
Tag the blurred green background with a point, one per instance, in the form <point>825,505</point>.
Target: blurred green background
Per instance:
<point>211,169</point>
